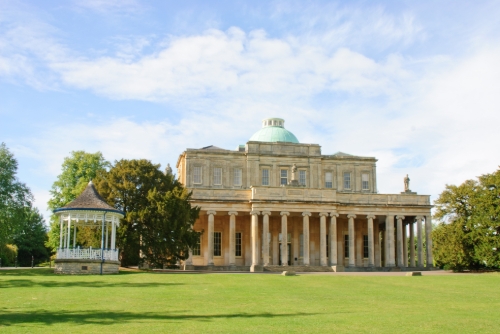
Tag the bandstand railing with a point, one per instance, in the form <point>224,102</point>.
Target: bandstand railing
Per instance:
<point>87,254</point>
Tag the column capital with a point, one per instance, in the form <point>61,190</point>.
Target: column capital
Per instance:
<point>211,212</point>
<point>233,213</point>
<point>400,217</point>
<point>351,215</point>
<point>266,212</point>
<point>323,214</point>
<point>371,216</point>
<point>334,214</point>
<point>254,212</point>
<point>285,213</point>
<point>306,213</point>
<point>419,218</point>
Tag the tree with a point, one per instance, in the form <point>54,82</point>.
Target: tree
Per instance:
<point>158,217</point>
<point>15,197</point>
<point>30,239</point>
<point>468,234</point>
<point>77,170</point>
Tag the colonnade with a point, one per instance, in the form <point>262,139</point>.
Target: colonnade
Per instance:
<point>395,241</point>
<point>67,241</point>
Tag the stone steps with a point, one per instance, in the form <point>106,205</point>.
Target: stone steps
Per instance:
<point>298,269</point>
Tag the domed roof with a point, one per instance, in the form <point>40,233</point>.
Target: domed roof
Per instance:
<point>273,130</point>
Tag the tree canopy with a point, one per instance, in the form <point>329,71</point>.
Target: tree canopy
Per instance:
<point>158,217</point>
<point>468,233</point>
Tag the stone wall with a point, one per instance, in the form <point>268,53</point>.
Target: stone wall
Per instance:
<point>85,267</point>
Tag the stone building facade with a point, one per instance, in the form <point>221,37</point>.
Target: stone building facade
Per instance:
<point>275,191</point>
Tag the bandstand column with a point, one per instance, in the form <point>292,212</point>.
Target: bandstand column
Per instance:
<point>371,252</point>
<point>305,232</point>
<point>428,241</point>
<point>107,236</point>
<point>420,245</point>
<point>399,248</point>
<point>210,236</point>
<point>333,238</point>
<point>322,241</point>
<point>265,237</point>
<point>232,237</point>
<point>412,244</point>
<point>113,236</point>
<point>74,235</point>
<point>284,237</point>
<point>68,237</point>
<point>352,258</point>
<point>61,245</point>
<point>254,239</point>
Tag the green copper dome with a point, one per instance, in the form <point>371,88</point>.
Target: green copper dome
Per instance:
<point>273,130</point>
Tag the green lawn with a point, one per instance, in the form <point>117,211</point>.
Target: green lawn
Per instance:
<point>33,301</point>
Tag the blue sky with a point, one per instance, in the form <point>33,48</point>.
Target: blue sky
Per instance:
<point>414,83</point>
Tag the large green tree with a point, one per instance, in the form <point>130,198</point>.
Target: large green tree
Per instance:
<point>468,233</point>
<point>158,217</point>
<point>15,197</point>
<point>30,239</point>
<point>77,170</point>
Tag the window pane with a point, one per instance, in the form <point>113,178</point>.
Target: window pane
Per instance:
<point>217,244</point>
<point>364,181</point>
<point>346,245</point>
<point>238,244</point>
<point>197,174</point>
<point>237,176</point>
<point>197,248</point>
<point>347,180</point>
<point>365,246</point>
<point>284,177</point>
<point>265,177</point>
<point>217,176</point>
<point>302,177</point>
<point>328,180</point>
<point>327,246</point>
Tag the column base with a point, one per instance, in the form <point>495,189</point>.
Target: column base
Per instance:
<point>338,269</point>
<point>255,268</point>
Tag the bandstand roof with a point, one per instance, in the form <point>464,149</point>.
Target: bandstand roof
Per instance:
<point>89,199</point>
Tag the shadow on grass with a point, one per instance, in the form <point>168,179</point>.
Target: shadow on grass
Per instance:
<point>27,283</point>
<point>110,318</point>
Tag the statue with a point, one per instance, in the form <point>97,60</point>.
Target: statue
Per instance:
<point>168,170</point>
<point>294,172</point>
<point>407,183</point>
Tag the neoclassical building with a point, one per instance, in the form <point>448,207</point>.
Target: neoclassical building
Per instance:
<point>275,202</point>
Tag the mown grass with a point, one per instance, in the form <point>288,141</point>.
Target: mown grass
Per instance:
<point>37,301</point>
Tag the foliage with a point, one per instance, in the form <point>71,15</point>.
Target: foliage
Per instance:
<point>8,255</point>
<point>14,196</point>
<point>468,235</point>
<point>77,170</point>
<point>158,217</point>
<point>30,239</point>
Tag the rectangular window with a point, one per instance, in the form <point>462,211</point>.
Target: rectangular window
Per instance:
<point>327,246</point>
<point>328,180</point>
<point>365,181</point>
<point>197,248</point>
<point>197,174</point>
<point>301,245</point>
<point>346,245</point>
<point>237,250</point>
<point>217,176</point>
<point>217,243</point>
<point>265,177</point>
<point>302,177</point>
<point>347,180</point>
<point>365,246</point>
<point>284,177</point>
<point>237,176</point>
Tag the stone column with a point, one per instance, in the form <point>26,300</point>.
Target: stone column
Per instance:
<point>305,232</point>
<point>265,237</point>
<point>399,248</point>
<point>405,245</point>
<point>420,244</point>
<point>389,230</point>
<point>284,236</point>
<point>371,248</point>
<point>210,236</point>
<point>254,240</point>
<point>412,244</point>
<point>232,237</point>
<point>61,229</point>
<point>428,241</point>
<point>352,258</point>
<point>333,238</point>
<point>322,240</point>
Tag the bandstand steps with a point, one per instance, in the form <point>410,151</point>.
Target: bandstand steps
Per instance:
<point>298,268</point>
